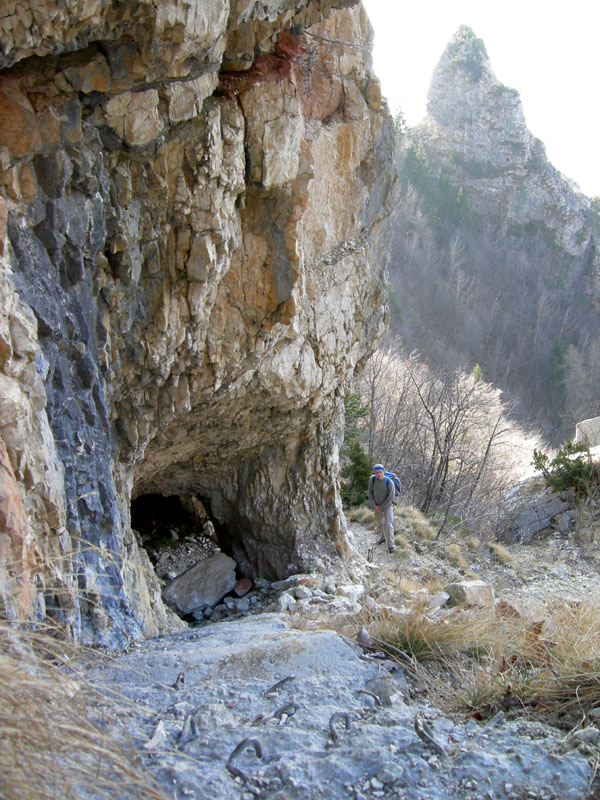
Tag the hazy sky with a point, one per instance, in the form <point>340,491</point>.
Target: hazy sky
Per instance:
<point>548,51</point>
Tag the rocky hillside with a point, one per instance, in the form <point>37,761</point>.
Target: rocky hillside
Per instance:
<point>495,256</point>
<point>192,207</point>
<point>278,705</point>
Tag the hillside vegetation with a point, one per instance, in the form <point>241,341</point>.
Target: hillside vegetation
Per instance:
<point>495,255</point>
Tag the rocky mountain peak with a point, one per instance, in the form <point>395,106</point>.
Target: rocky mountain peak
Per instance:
<point>466,53</point>
<point>501,229</point>
<point>475,131</point>
<point>470,107</point>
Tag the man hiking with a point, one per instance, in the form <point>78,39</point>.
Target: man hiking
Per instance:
<point>381,496</point>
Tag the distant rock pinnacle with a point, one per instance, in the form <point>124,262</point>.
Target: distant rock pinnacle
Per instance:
<point>475,131</point>
<point>478,114</point>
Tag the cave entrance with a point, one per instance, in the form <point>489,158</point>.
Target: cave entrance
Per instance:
<point>178,535</point>
<point>175,531</point>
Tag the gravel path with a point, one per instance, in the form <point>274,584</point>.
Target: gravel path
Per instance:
<point>539,574</point>
<point>254,707</point>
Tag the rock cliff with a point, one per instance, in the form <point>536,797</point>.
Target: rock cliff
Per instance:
<point>495,248</point>
<point>192,209</point>
<point>475,126</point>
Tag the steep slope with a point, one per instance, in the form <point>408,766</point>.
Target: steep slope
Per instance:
<point>192,258</point>
<point>495,258</point>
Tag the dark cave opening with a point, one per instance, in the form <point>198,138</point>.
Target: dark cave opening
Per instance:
<point>152,513</point>
<point>178,535</point>
<point>175,531</point>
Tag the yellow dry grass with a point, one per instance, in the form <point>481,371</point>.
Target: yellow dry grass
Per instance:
<point>361,514</point>
<point>501,554</point>
<point>59,738</point>
<point>474,661</point>
<point>416,524</point>
<point>455,556</point>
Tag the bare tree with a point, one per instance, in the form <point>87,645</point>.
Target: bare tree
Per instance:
<point>448,435</point>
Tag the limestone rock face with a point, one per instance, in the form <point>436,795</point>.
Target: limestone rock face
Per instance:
<point>476,127</point>
<point>192,222</point>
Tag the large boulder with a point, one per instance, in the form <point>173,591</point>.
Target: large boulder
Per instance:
<point>471,593</point>
<point>533,509</point>
<point>588,432</point>
<point>202,585</point>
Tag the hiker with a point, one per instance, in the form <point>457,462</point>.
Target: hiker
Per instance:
<point>382,493</point>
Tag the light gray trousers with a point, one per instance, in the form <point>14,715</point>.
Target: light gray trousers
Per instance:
<point>385,524</point>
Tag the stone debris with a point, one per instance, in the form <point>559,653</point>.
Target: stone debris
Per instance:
<point>159,737</point>
<point>267,710</point>
<point>176,558</point>
<point>243,586</point>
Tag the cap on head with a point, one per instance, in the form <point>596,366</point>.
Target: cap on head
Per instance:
<point>378,466</point>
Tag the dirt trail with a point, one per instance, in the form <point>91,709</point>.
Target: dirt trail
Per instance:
<point>541,573</point>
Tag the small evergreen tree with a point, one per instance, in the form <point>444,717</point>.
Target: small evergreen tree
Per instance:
<point>357,465</point>
<point>399,125</point>
<point>399,134</point>
<point>594,216</point>
<point>355,475</point>
<point>558,374</point>
<point>415,170</point>
<point>571,468</point>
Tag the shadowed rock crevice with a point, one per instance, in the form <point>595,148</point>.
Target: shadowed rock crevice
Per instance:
<point>176,533</point>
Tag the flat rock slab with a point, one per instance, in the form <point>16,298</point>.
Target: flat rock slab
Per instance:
<point>536,517</point>
<point>196,696</point>
<point>204,584</point>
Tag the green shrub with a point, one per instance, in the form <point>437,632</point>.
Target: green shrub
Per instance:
<point>571,468</point>
<point>356,469</point>
<point>355,475</point>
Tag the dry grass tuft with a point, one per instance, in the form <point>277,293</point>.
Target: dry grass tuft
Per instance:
<point>429,637</point>
<point>59,738</point>
<point>364,515</point>
<point>501,554</point>
<point>416,523</point>
<point>475,662</point>
<point>473,543</point>
<point>454,554</point>
<point>410,586</point>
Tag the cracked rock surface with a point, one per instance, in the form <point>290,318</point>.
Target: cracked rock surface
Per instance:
<point>254,708</point>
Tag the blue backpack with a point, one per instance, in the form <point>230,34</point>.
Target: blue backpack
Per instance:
<point>396,481</point>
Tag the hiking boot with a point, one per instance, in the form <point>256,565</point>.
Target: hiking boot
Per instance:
<point>382,540</point>
<point>391,549</point>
